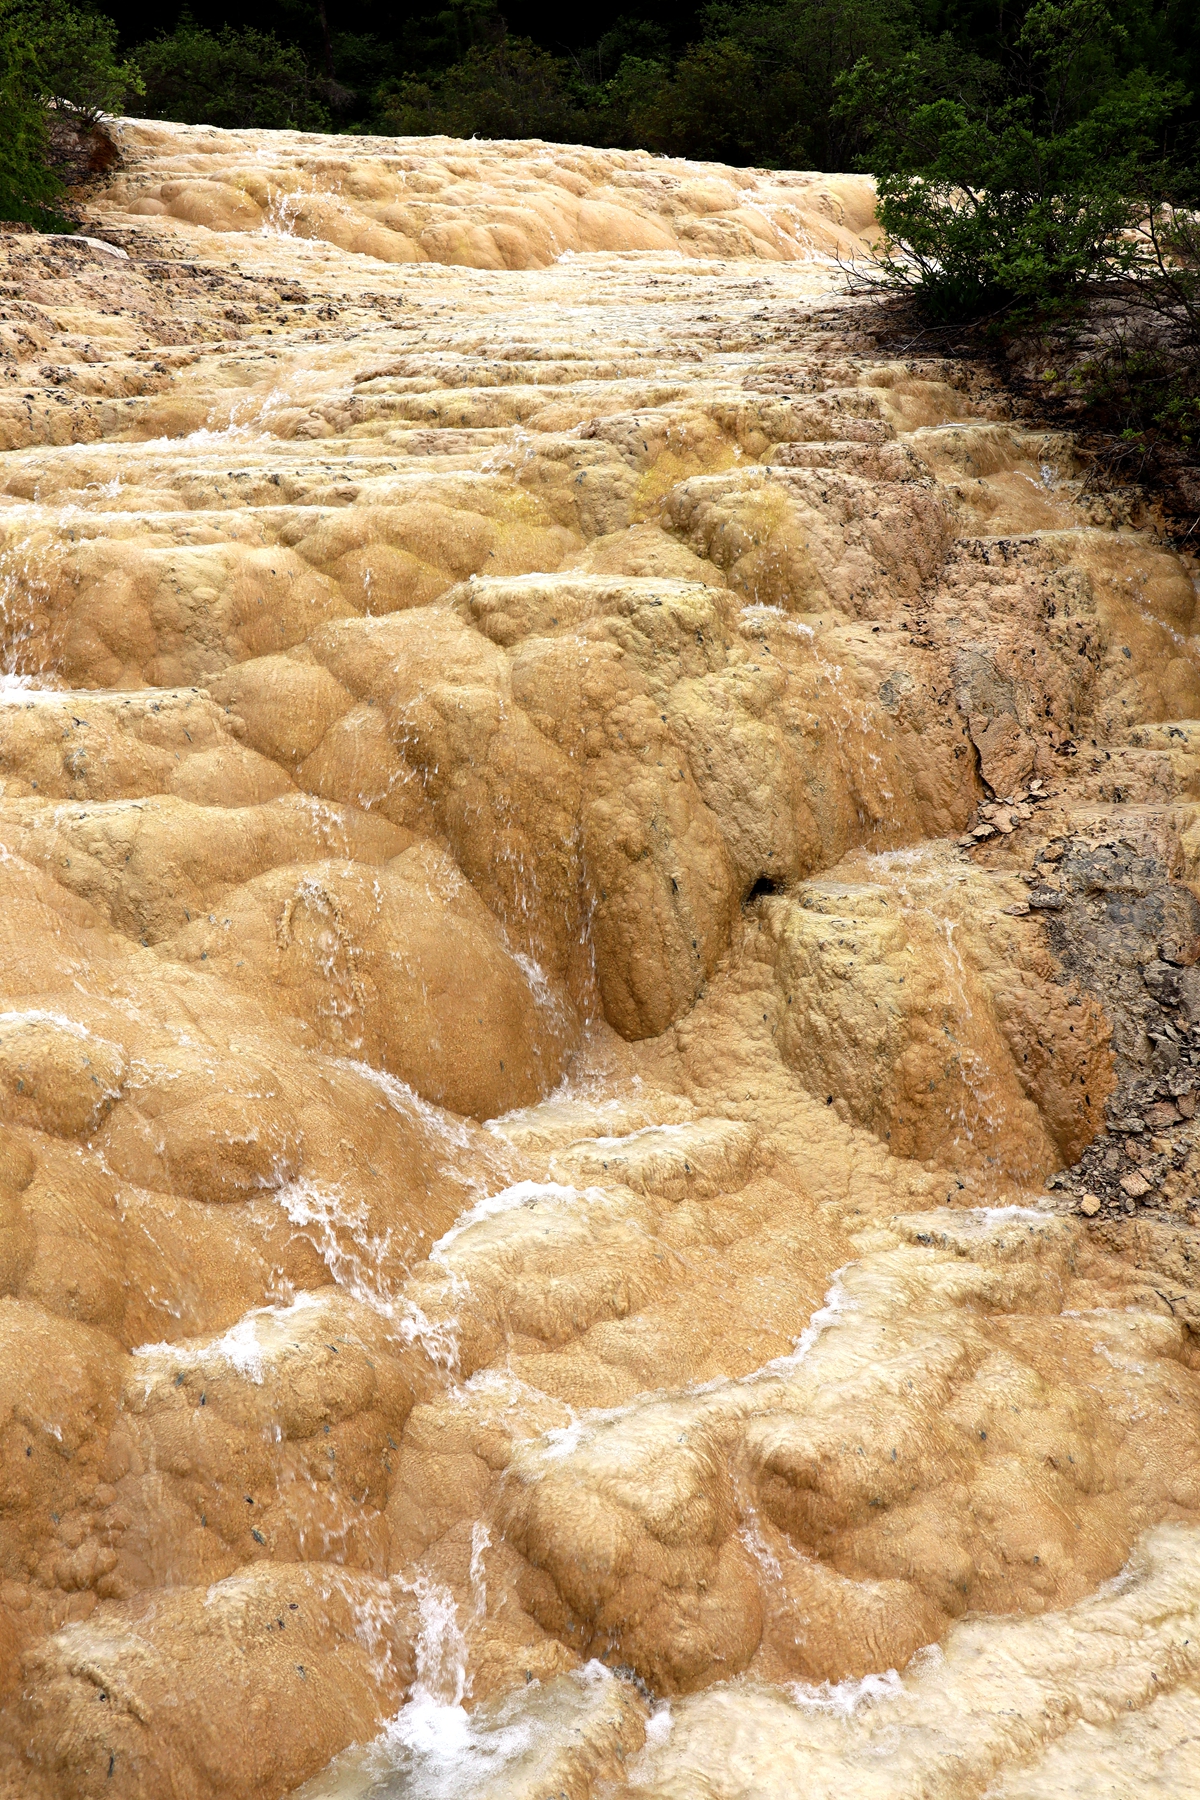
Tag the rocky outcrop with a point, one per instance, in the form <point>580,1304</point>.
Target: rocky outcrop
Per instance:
<point>598,1184</point>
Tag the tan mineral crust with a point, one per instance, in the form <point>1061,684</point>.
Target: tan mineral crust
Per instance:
<point>600,1017</point>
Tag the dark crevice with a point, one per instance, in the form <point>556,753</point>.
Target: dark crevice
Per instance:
<point>764,885</point>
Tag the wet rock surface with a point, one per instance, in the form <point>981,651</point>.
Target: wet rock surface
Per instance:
<point>600,1038</point>
<point>1132,936</point>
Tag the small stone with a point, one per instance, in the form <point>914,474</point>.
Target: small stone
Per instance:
<point>1135,1185</point>
<point>966,842</point>
<point>1023,812</point>
<point>1019,910</point>
<point>1035,787</point>
<point>1186,1104</point>
<point>1160,1115</point>
<point>1089,1205</point>
<point>984,831</point>
<point>1180,946</point>
<point>1003,822</point>
<point>1052,853</point>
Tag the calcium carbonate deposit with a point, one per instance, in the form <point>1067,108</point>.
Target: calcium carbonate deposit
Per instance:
<point>600,1027</point>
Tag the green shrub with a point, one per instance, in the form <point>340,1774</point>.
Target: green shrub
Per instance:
<point>1132,361</point>
<point>237,77</point>
<point>625,109</point>
<point>511,89</point>
<point>712,106</point>
<point>761,85</point>
<point>28,186</point>
<point>78,66</point>
<point>54,58</point>
<point>1017,190</point>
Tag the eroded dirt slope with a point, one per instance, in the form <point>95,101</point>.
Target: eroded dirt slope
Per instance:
<point>600,970</point>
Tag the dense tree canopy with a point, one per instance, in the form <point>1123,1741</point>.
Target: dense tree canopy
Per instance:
<point>750,81</point>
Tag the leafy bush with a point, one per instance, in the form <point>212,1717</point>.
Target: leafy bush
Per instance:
<point>79,70</point>
<point>711,107</point>
<point>510,89</point>
<point>761,85</point>
<point>237,76</point>
<point>1046,191</point>
<point>1158,362</point>
<point>53,59</point>
<point>1019,188</point>
<point>1129,363</point>
<point>28,186</point>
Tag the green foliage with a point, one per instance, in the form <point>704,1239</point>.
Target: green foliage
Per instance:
<point>624,109</point>
<point>711,107</point>
<point>510,89</point>
<point>1013,188</point>
<point>79,70</point>
<point>761,85</point>
<point>630,40</point>
<point>28,186</point>
<point>236,77</point>
<point>54,59</point>
<point>1138,376</point>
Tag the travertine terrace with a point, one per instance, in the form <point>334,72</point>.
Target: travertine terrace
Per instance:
<point>599,985</point>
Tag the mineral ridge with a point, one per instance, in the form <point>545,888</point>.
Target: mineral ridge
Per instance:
<point>601,1011</point>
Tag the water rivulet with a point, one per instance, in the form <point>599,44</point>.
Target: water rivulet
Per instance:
<point>600,1028</point>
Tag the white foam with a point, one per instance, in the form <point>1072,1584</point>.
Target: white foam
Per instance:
<point>481,1539</point>
<point>836,1304</point>
<point>241,1346</point>
<point>521,1193</point>
<point>759,613</point>
<point>845,1698</point>
<point>360,1263</point>
<point>22,690</point>
<point>631,1137</point>
<point>436,1750</point>
<point>406,1101</point>
<point>658,1726</point>
<point>39,1016</point>
<point>356,1258</point>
